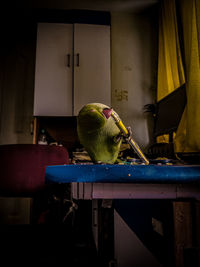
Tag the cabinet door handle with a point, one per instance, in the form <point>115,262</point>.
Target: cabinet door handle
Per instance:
<point>77,60</point>
<point>68,60</point>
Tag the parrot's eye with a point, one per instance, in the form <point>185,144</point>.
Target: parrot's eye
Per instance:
<point>107,112</point>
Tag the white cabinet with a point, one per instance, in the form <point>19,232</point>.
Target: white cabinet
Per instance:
<point>53,78</point>
<point>92,77</point>
<point>72,68</point>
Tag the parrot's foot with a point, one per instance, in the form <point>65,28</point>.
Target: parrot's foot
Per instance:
<point>128,136</point>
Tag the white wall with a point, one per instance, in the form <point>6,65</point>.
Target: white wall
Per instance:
<point>129,250</point>
<point>134,52</point>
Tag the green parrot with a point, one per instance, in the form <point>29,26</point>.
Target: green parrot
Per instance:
<point>98,133</point>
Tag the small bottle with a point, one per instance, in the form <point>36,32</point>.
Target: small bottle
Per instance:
<point>42,139</point>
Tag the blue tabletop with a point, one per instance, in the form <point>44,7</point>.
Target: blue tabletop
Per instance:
<point>114,173</point>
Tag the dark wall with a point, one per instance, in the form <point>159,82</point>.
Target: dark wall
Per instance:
<point>17,63</point>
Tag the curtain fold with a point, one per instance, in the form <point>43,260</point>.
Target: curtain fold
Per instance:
<point>170,66</point>
<point>188,133</point>
<point>171,71</point>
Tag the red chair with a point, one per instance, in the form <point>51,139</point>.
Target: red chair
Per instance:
<point>22,167</point>
<point>22,176</point>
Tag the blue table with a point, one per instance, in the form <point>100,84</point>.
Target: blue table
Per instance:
<point>177,183</point>
<point>128,181</point>
<point>123,173</point>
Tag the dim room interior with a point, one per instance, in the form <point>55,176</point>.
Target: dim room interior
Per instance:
<point>68,195</point>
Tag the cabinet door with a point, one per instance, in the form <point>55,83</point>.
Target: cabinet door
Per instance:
<point>91,65</point>
<point>53,73</point>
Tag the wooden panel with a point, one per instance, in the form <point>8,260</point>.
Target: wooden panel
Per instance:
<point>82,190</point>
<point>74,190</point>
<point>133,191</point>
<point>182,230</point>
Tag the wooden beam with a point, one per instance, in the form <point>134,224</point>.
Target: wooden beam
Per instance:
<point>183,231</point>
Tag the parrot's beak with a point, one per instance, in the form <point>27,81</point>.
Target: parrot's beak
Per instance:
<point>107,112</point>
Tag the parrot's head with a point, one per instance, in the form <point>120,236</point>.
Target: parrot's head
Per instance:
<point>93,116</point>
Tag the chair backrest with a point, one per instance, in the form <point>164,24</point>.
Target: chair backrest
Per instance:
<point>22,167</point>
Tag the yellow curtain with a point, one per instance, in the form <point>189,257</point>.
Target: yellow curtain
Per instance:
<point>171,73</point>
<point>170,65</point>
<point>188,133</point>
